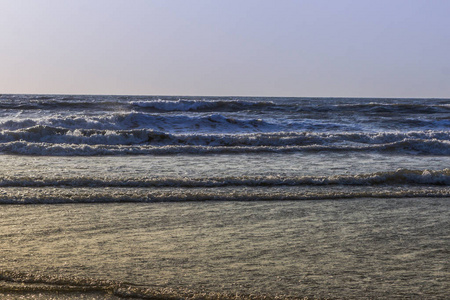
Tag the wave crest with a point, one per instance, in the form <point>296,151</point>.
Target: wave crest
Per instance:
<point>200,105</point>
<point>48,140</point>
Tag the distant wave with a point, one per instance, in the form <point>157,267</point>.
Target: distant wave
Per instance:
<point>57,103</point>
<point>201,105</point>
<point>138,106</point>
<point>374,107</point>
<point>174,103</point>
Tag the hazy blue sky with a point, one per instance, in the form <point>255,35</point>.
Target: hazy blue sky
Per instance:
<point>373,48</point>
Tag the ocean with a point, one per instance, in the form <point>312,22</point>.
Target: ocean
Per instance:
<point>156,197</point>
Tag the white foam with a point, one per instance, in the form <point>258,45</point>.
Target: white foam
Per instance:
<point>135,120</point>
<point>47,140</point>
<point>400,176</point>
<point>64,194</point>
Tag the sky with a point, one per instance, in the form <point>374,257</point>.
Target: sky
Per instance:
<point>303,48</point>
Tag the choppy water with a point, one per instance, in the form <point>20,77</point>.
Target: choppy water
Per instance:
<point>157,196</point>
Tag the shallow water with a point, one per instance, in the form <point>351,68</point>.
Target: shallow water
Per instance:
<point>363,248</point>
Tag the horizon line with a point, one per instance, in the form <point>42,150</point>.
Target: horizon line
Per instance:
<point>221,96</point>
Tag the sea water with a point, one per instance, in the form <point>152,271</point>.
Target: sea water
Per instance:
<point>191,197</point>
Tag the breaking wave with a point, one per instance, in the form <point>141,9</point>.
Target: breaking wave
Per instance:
<point>209,123</point>
<point>65,195</point>
<point>135,120</point>
<point>49,140</point>
<point>400,176</point>
<point>201,105</point>
<point>402,183</point>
